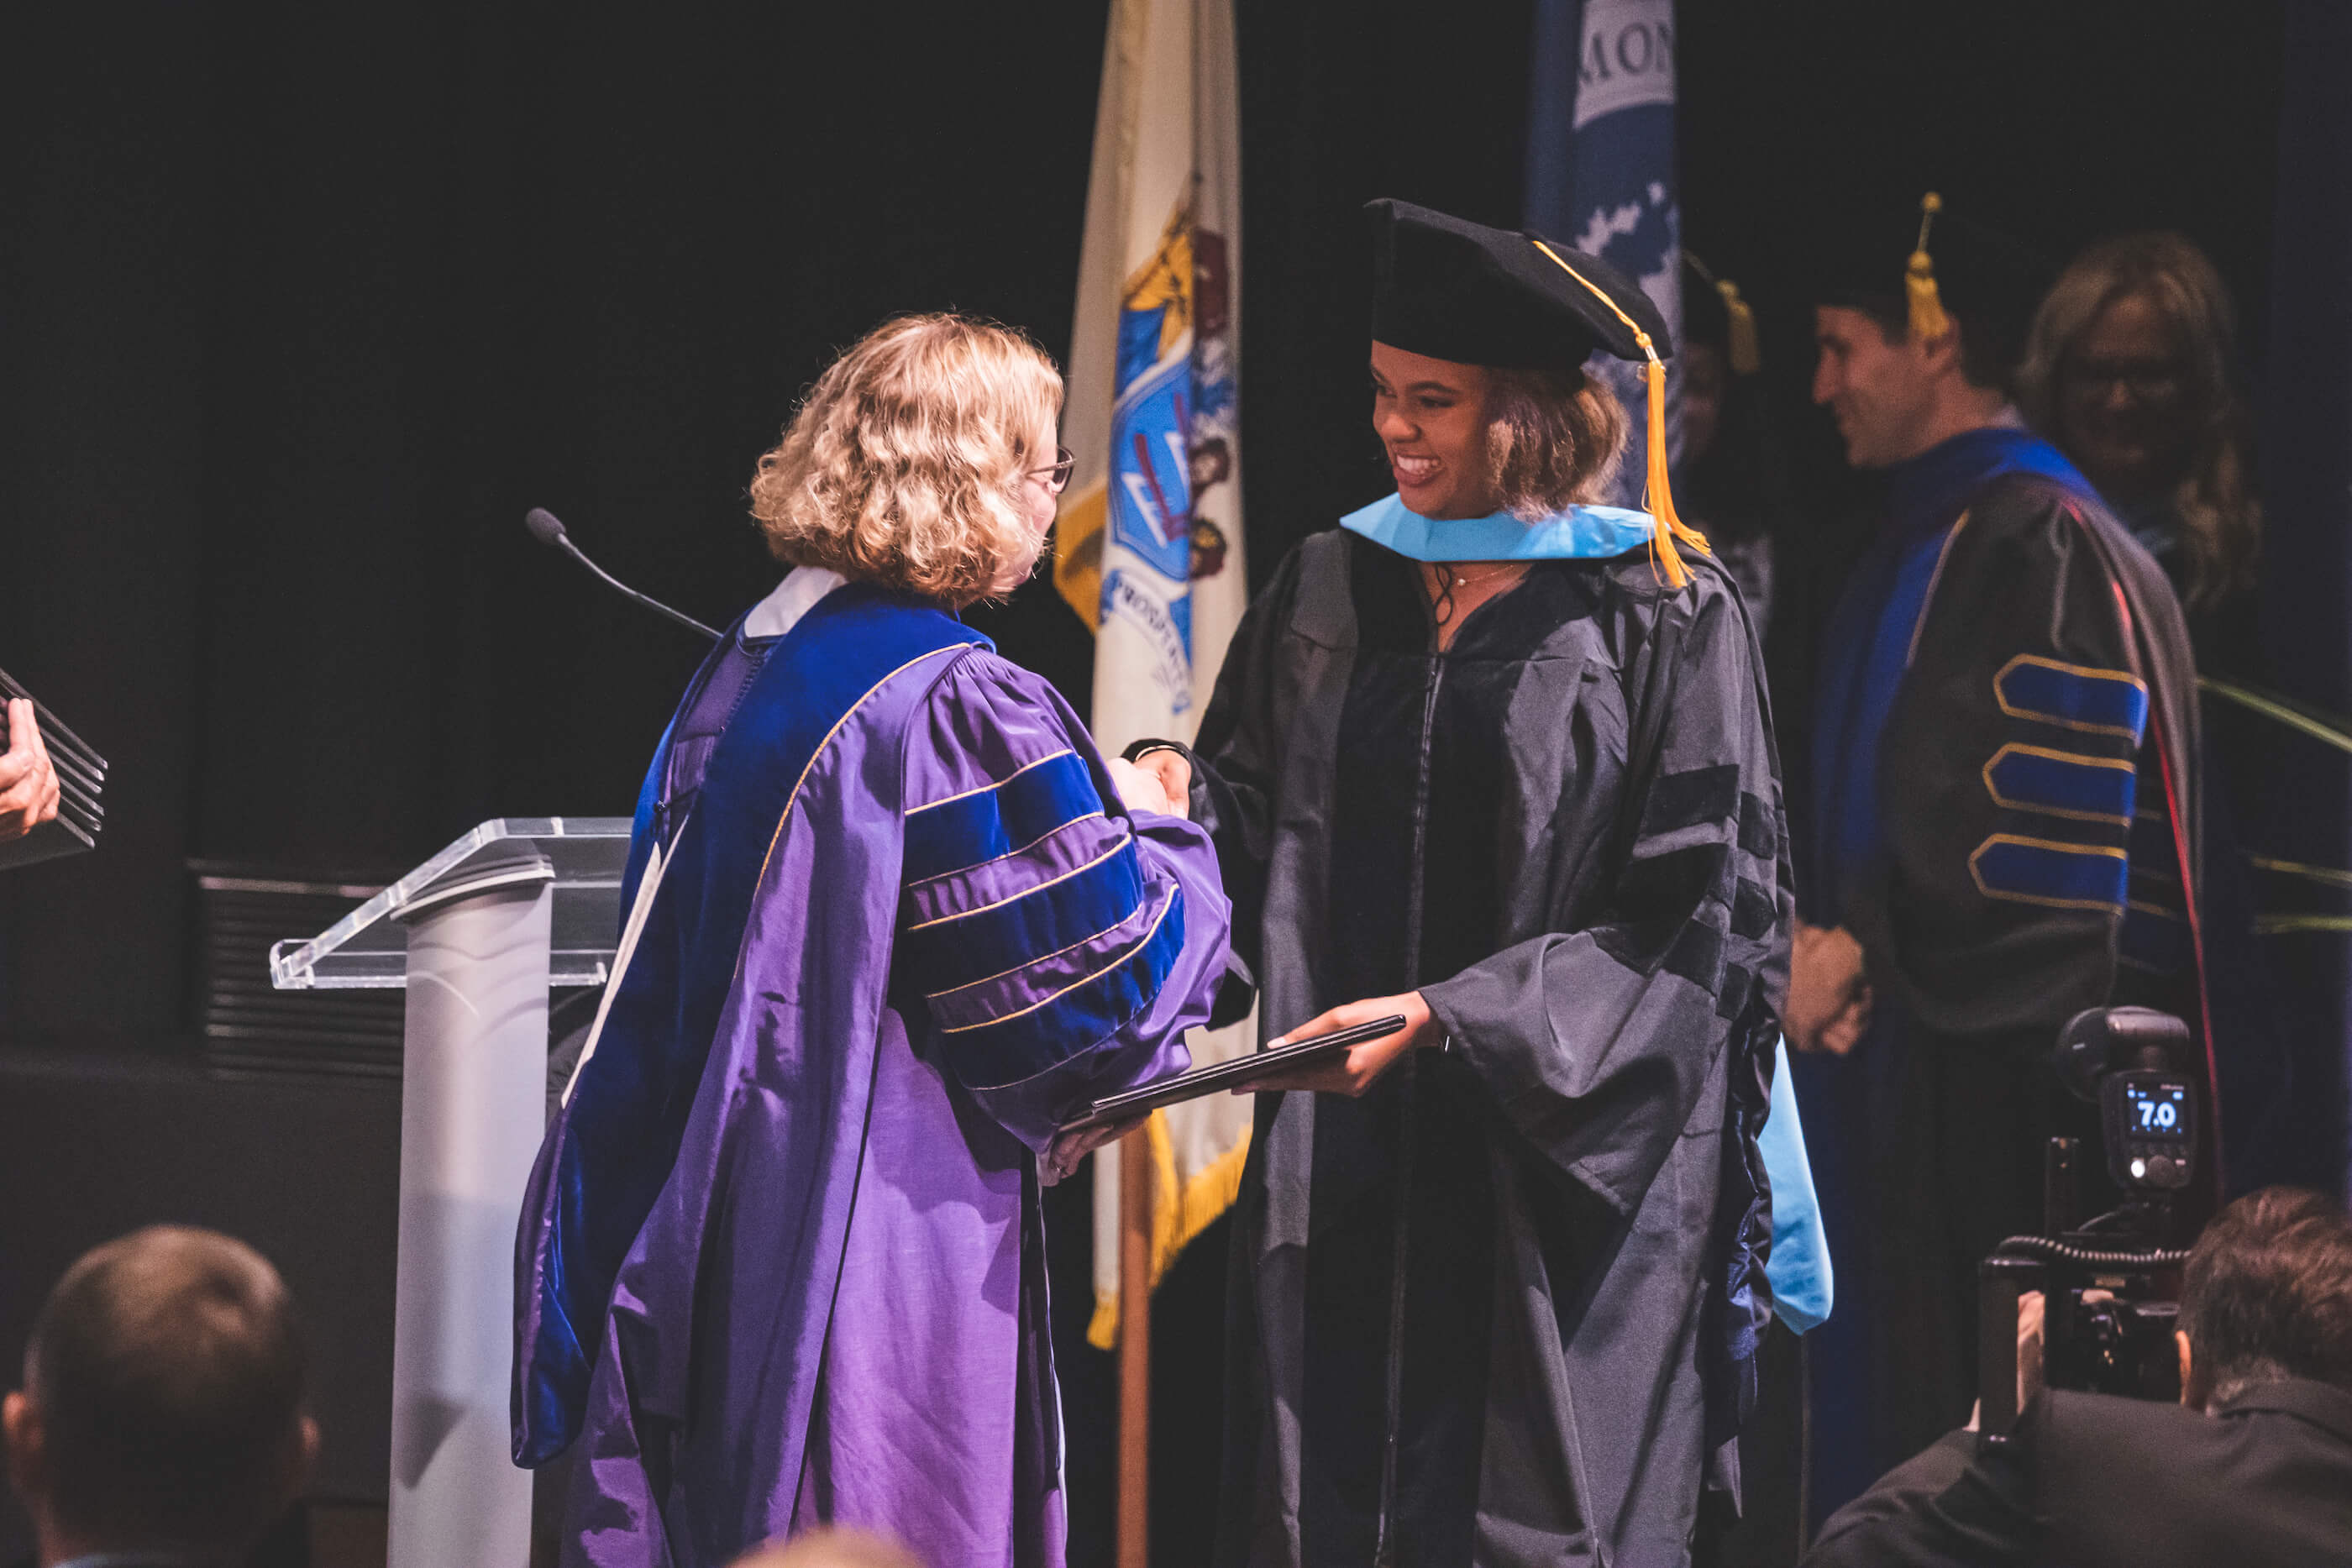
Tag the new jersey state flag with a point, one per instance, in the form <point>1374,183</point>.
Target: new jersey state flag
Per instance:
<point>1148,547</point>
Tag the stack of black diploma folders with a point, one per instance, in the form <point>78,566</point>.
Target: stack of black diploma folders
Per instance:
<point>81,774</point>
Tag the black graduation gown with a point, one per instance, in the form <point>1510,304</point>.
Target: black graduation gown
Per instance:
<point>1567,831</point>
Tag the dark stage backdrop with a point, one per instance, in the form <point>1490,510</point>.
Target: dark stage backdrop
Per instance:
<point>302,315</point>
<point>301,308</point>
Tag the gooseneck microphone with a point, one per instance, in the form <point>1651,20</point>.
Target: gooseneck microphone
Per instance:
<point>548,529</point>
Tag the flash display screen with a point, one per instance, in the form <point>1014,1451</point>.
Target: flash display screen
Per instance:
<point>2158,1111</point>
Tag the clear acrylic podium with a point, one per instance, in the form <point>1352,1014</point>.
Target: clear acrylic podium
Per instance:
<point>477,935</point>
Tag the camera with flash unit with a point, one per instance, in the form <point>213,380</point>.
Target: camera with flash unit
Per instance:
<point>2110,1285</point>
<point>2123,1060</point>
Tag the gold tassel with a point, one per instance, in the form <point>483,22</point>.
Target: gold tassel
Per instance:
<point>1928,320</point>
<point>1657,497</point>
<point>1747,358</point>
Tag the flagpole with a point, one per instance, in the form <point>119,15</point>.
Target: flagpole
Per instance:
<point>1134,1350</point>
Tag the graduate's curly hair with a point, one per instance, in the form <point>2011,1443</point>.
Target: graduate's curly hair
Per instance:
<point>904,465</point>
<point>1553,440</point>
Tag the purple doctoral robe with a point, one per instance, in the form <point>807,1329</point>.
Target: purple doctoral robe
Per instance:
<point>779,1262</point>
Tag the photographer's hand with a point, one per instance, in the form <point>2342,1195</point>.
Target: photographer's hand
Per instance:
<point>2030,1308</point>
<point>2033,1311</point>
<point>2029,1356</point>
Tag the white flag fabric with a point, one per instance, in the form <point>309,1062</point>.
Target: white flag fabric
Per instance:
<point>1148,545</point>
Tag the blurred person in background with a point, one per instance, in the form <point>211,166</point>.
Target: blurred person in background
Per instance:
<point>2252,1468</point>
<point>2131,369</point>
<point>1732,485</point>
<point>162,1421</point>
<point>28,780</point>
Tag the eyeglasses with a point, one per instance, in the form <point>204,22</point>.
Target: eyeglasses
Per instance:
<point>2147,381</point>
<point>1058,475</point>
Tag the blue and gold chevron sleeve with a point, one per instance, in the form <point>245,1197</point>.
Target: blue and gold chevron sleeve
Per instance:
<point>2063,784</point>
<point>1027,921</point>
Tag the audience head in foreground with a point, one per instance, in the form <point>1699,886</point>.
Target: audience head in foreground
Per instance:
<point>830,1549</point>
<point>163,1407</point>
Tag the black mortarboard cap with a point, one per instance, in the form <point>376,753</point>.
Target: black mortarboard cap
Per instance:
<point>1714,311</point>
<point>1457,290</point>
<point>1927,261</point>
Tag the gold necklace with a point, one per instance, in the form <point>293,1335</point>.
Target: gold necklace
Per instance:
<point>1442,605</point>
<point>1462,580</point>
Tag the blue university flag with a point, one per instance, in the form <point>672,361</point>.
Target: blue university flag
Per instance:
<point>1601,170</point>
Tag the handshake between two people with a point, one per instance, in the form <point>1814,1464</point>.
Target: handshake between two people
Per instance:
<point>1158,781</point>
<point>1161,781</point>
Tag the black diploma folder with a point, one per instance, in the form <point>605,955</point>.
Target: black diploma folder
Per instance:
<point>1238,1073</point>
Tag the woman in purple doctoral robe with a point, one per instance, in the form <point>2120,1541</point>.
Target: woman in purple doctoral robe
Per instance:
<point>889,926</point>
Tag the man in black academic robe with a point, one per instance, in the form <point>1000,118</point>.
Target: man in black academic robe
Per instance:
<point>2003,832</point>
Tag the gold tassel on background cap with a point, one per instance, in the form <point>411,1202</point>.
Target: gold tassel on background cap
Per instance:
<point>1746,359</point>
<point>1740,332</point>
<point>1655,497</point>
<point>1928,320</point>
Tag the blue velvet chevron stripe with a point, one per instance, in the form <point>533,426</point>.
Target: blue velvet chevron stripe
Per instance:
<point>959,950</point>
<point>989,825</point>
<point>2073,696</point>
<point>629,1106</point>
<point>2061,783</point>
<point>1058,1027</point>
<point>2046,872</point>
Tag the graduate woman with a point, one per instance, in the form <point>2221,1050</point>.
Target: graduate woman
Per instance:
<point>891,925</point>
<point>1497,759</point>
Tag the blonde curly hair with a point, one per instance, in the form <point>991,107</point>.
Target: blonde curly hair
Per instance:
<point>904,465</point>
